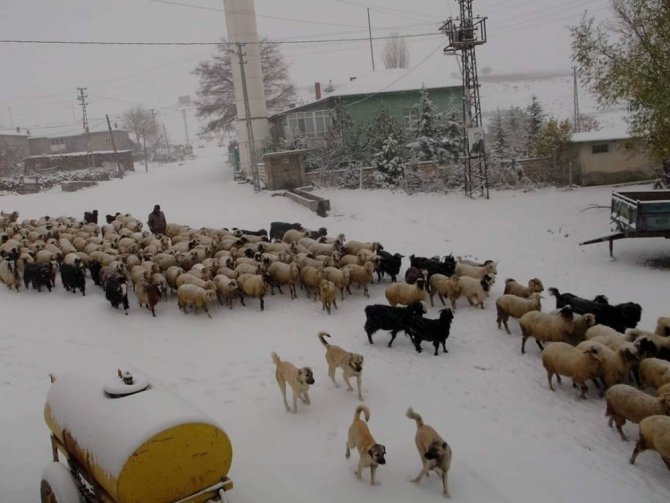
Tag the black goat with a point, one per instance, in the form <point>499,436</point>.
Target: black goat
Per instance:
<point>38,275</point>
<point>446,266</point>
<point>110,218</point>
<point>413,274</point>
<point>91,217</point>
<point>388,264</point>
<point>395,319</point>
<point>619,317</point>
<point>241,232</point>
<point>95,267</point>
<point>435,331</point>
<point>73,277</point>
<point>277,229</point>
<point>116,292</point>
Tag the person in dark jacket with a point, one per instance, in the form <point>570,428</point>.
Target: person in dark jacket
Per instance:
<point>157,223</point>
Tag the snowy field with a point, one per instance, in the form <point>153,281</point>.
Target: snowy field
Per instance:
<point>513,439</point>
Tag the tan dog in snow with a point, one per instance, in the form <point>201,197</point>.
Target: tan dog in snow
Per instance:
<point>350,363</point>
<point>434,452</point>
<point>370,452</point>
<point>298,379</point>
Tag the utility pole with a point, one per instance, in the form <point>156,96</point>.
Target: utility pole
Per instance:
<point>575,120</point>
<point>247,115</point>
<point>183,112</point>
<point>144,141</point>
<point>372,54</point>
<point>116,155</point>
<point>83,103</point>
<point>167,143</point>
<point>464,34</point>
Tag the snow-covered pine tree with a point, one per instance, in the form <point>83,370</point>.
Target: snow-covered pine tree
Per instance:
<point>537,118</point>
<point>425,146</point>
<point>515,122</point>
<point>499,147</point>
<point>386,141</point>
<point>344,143</point>
<point>388,164</point>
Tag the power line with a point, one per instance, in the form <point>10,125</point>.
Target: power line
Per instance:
<point>369,96</point>
<point>317,41</point>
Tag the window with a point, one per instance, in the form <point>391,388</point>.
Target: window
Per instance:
<point>410,117</point>
<point>310,124</point>
<point>601,148</point>
<point>108,140</point>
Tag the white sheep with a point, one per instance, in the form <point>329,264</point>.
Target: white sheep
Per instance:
<point>171,275</point>
<point>514,288</point>
<point>353,247</point>
<point>284,274</point>
<point>310,279</point>
<point>615,364</point>
<point>226,289</point>
<point>254,285</point>
<point>328,294</point>
<point>509,305</point>
<point>663,327</point>
<point>477,272</point>
<point>626,403</point>
<point>445,286</point>
<point>476,290</point>
<point>654,434</point>
<point>654,372</point>
<point>192,295</point>
<point>405,294</point>
<point>361,275</point>
<point>563,326</point>
<point>187,279</point>
<point>560,358</point>
<point>339,277</point>
<point>9,274</point>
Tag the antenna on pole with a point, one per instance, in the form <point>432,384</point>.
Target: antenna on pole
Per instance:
<point>372,54</point>
<point>464,34</point>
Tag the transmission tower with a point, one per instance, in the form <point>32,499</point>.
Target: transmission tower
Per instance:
<point>83,103</point>
<point>465,33</point>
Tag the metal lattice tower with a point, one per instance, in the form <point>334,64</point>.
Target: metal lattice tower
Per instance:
<point>464,34</point>
<point>83,103</point>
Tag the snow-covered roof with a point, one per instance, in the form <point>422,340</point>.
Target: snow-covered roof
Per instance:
<point>79,154</point>
<point>619,133</point>
<point>67,132</point>
<point>395,80</point>
<point>11,132</point>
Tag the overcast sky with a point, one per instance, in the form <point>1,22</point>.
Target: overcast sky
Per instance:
<point>39,82</point>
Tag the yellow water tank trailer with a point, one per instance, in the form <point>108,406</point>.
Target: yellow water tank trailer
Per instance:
<point>134,441</point>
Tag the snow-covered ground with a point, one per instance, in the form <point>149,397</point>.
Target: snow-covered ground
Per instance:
<point>512,438</point>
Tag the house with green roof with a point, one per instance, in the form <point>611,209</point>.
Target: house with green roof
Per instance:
<point>397,89</point>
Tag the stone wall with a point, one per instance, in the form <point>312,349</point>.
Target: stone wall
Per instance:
<point>67,162</point>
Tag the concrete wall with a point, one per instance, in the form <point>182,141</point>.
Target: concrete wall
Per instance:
<point>624,161</point>
<point>48,163</point>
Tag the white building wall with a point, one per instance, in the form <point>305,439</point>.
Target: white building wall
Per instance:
<point>241,27</point>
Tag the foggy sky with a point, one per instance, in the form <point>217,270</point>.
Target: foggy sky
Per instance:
<point>39,82</point>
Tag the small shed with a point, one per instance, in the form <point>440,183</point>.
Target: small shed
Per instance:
<point>283,170</point>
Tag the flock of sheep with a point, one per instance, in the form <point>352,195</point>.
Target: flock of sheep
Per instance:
<point>590,340</point>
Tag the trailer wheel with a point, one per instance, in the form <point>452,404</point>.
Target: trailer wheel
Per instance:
<point>58,485</point>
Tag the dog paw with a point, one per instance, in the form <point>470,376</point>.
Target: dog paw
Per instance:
<point>446,495</point>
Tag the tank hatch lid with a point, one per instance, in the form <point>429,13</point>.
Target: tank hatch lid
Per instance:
<point>125,383</point>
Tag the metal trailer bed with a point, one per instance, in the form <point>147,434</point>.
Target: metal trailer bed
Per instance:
<point>638,214</point>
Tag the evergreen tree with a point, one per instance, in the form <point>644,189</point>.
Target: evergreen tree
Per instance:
<point>345,142</point>
<point>500,144</point>
<point>386,140</point>
<point>536,121</point>
<point>434,141</point>
<point>388,163</point>
<point>515,121</point>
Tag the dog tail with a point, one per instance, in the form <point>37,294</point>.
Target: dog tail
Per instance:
<point>321,338</point>
<point>275,358</point>
<point>365,410</point>
<point>413,415</point>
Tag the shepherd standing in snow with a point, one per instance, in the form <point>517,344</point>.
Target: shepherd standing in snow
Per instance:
<point>157,223</point>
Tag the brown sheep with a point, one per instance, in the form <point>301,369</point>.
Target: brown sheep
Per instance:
<point>514,288</point>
